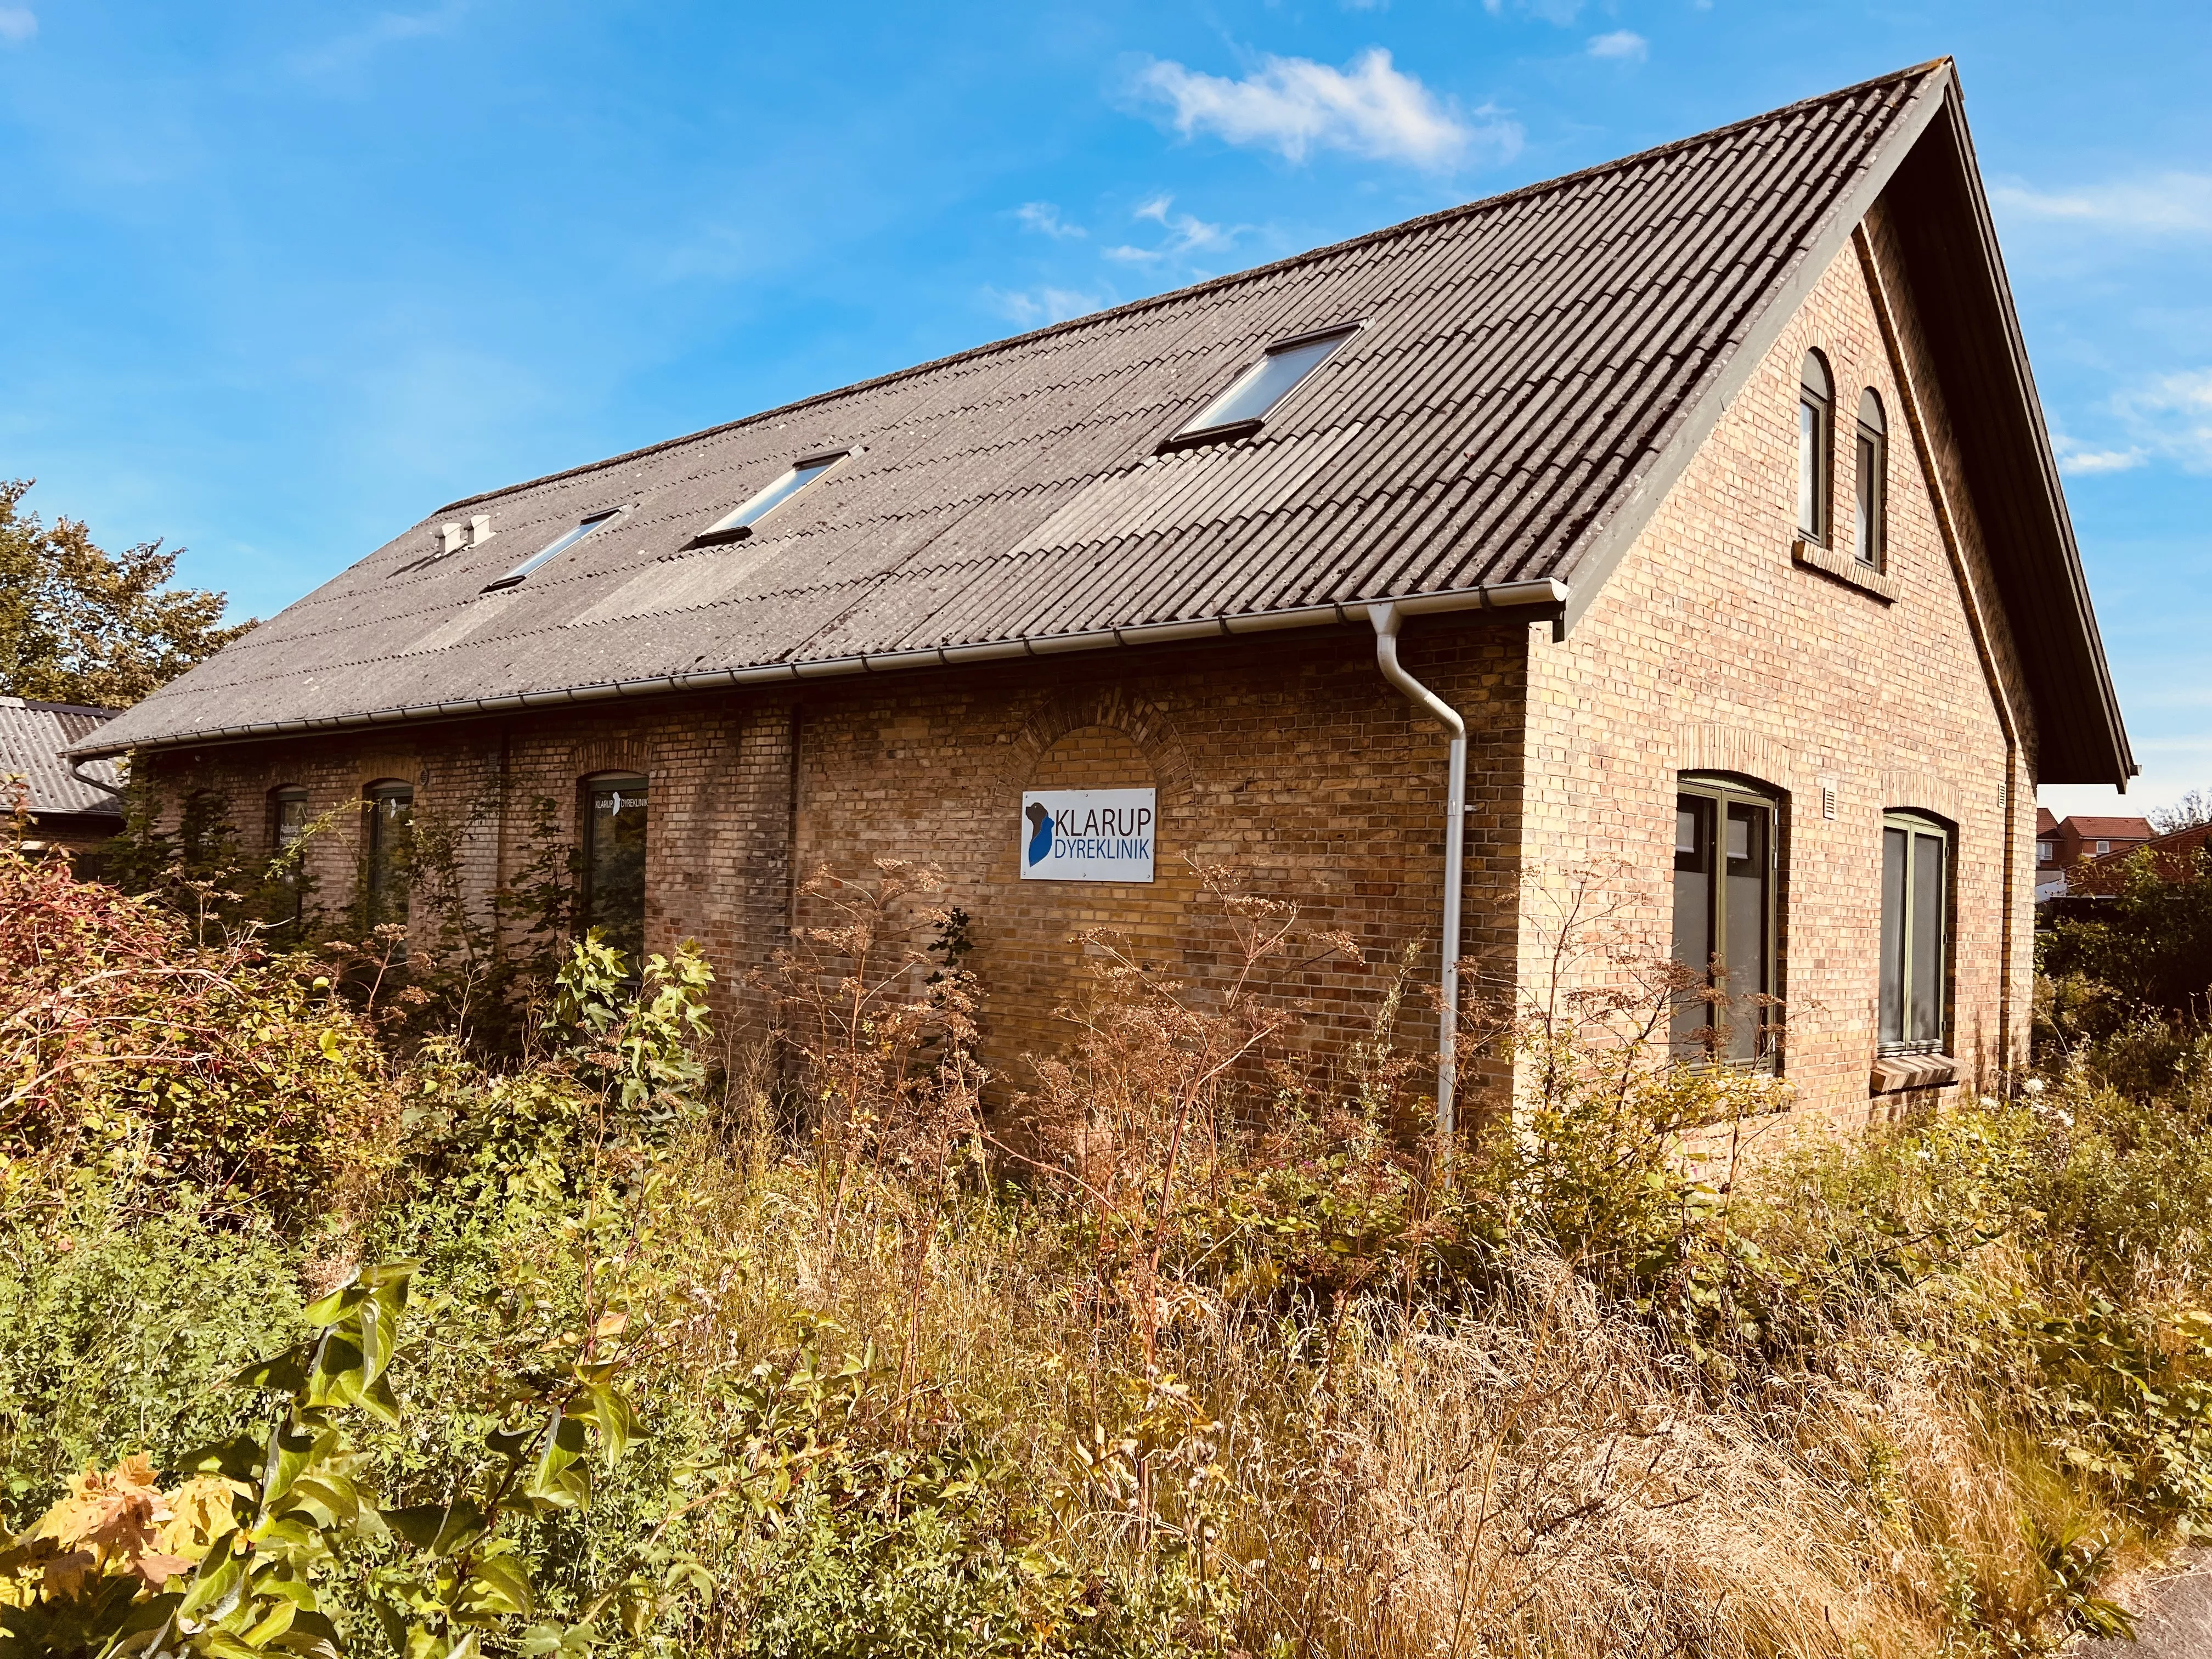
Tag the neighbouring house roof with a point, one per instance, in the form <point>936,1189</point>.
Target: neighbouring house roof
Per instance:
<point>2109,828</point>
<point>1533,370</point>
<point>2171,856</point>
<point>2046,821</point>
<point>34,737</point>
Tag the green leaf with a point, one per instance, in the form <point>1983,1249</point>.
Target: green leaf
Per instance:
<point>498,1584</point>
<point>443,1530</point>
<point>329,1309</point>
<point>287,1373</point>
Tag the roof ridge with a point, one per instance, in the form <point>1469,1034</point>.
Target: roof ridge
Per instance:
<point>1464,209</point>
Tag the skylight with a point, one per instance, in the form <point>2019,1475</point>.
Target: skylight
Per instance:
<point>1267,383</point>
<point>553,549</point>
<point>739,524</point>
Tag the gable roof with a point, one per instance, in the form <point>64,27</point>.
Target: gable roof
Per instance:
<point>2109,828</point>
<point>33,738</point>
<point>1532,371</point>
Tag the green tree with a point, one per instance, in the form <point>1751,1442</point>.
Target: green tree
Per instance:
<point>84,626</point>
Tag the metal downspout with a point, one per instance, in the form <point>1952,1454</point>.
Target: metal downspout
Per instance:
<point>79,776</point>
<point>1384,616</point>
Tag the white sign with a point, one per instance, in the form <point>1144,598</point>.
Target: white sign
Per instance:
<point>1087,835</point>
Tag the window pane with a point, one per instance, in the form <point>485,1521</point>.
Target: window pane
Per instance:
<point>291,816</point>
<point>1892,935</point>
<point>391,816</point>
<point>614,865</point>
<point>1693,915</point>
<point>1745,950</point>
<point>1809,467</point>
<point>1925,1022</point>
<point>778,493</point>
<point>1266,383</point>
<point>1868,547</point>
<point>552,549</point>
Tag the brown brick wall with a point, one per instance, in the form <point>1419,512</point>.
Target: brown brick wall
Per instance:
<point>1711,649</point>
<point>1288,759</point>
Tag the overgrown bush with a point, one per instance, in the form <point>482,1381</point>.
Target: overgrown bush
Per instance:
<point>1203,1345</point>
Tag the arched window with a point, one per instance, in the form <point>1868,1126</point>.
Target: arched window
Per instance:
<point>1873,482</point>
<point>204,828</point>
<point>1726,859</point>
<point>1816,404</point>
<point>613,897</point>
<point>287,817</point>
<point>1915,933</point>
<point>391,843</point>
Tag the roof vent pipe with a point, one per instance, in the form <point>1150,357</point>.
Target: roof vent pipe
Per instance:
<point>1384,616</point>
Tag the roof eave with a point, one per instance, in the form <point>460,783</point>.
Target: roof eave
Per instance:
<point>1529,601</point>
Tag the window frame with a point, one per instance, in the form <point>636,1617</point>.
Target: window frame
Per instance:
<point>1821,401</point>
<point>1719,791</point>
<point>1200,429</point>
<point>1870,477</point>
<point>283,795</point>
<point>381,862</point>
<point>741,521</point>
<point>585,528</point>
<point>1917,826</point>
<point>589,789</point>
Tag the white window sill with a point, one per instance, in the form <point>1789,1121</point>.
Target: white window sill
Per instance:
<point>1845,569</point>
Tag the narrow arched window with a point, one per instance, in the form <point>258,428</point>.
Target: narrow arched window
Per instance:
<point>390,845</point>
<point>1872,530</point>
<point>1816,404</point>
<point>613,899</point>
<point>1726,861</point>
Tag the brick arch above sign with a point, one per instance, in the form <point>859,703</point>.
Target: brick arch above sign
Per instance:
<point>1146,726</point>
<point>611,755</point>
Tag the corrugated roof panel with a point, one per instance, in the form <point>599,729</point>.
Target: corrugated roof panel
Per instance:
<point>1522,361</point>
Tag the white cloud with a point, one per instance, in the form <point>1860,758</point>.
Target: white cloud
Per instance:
<point>2167,418</point>
<point>1562,12</point>
<point>2164,204</point>
<point>1625,44</point>
<point>1294,105</point>
<point>2083,461</point>
<point>2172,417</point>
<point>18,25</point>
<point>382,30</point>
<point>1187,234</point>
<point>1045,217</point>
<point>1035,307</point>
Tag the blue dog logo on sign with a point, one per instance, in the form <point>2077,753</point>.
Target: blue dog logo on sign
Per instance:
<point>1040,833</point>
<point>1087,835</point>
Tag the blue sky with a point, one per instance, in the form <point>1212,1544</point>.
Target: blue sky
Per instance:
<point>279,279</point>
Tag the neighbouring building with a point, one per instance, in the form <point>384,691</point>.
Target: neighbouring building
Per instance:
<point>2062,843</point>
<point>65,812</point>
<point>2177,855</point>
<point>1707,488</point>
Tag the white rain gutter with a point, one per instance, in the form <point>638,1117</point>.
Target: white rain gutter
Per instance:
<point>1386,618</point>
<point>1546,597</point>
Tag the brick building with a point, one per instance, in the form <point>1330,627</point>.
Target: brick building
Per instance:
<point>63,810</point>
<point>2062,843</point>
<point>1707,489</point>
